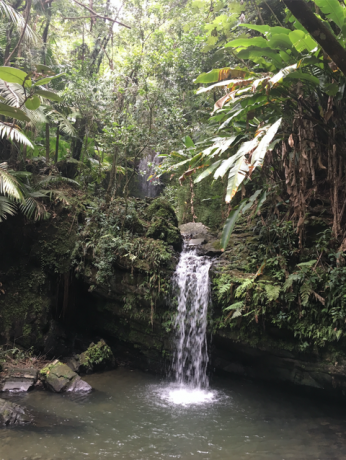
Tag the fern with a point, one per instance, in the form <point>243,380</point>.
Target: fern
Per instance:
<point>272,291</point>
<point>235,306</point>
<point>305,291</point>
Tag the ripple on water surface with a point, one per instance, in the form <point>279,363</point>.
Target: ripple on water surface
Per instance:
<point>132,416</point>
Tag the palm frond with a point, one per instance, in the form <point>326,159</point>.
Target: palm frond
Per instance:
<point>60,119</point>
<point>14,134</point>
<point>18,20</point>
<point>32,208</point>
<point>6,208</point>
<point>9,185</point>
<point>52,179</point>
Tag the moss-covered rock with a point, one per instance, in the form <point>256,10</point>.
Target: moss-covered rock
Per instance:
<point>58,377</point>
<point>12,414</point>
<point>97,357</point>
<point>164,223</point>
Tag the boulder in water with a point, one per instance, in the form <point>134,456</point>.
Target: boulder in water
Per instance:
<point>12,414</point>
<point>58,377</point>
<point>20,380</point>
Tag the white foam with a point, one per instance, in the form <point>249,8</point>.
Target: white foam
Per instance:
<point>184,395</point>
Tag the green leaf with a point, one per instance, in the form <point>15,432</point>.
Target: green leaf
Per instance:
<point>46,80</point>
<point>44,69</point>
<point>282,74</point>
<point>267,29</point>
<point>299,75</point>
<point>13,112</point>
<point>307,264</point>
<point>331,89</point>
<point>235,177</point>
<point>229,226</point>
<point>246,42</point>
<point>221,74</point>
<point>272,291</point>
<point>259,154</point>
<point>235,306</point>
<point>188,142</point>
<point>251,201</point>
<point>33,102</point>
<point>260,202</point>
<point>228,83</point>
<point>48,95</point>
<point>302,41</point>
<point>254,53</point>
<point>207,171</point>
<point>280,41</point>
<point>13,75</point>
<point>333,10</point>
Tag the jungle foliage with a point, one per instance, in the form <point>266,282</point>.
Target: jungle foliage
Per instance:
<point>88,91</point>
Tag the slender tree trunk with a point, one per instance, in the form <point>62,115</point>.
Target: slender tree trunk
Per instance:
<point>27,17</point>
<point>45,32</point>
<point>47,143</point>
<point>319,31</point>
<point>57,144</point>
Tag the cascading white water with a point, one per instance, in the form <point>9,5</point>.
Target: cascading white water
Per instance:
<point>191,282</point>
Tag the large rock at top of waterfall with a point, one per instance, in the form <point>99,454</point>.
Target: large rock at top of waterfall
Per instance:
<point>58,377</point>
<point>12,414</point>
<point>198,235</point>
<point>164,223</point>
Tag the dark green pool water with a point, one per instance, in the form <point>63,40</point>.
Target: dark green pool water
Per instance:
<point>133,415</point>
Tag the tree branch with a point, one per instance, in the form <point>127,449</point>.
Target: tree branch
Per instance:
<point>99,16</point>
<point>318,30</point>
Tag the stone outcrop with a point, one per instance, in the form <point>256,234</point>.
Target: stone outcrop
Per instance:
<point>198,235</point>
<point>19,380</point>
<point>97,357</point>
<point>59,378</point>
<point>12,414</point>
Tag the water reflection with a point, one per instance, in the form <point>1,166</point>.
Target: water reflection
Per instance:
<point>131,415</point>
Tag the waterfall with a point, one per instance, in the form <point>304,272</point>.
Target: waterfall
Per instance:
<point>192,285</point>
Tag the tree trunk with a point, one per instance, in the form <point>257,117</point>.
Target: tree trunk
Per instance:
<point>47,143</point>
<point>324,37</point>
<point>79,139</point>
<point>57,144</point>
<point>45,33</point>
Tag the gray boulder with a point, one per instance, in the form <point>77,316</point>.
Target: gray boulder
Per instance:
<point>12,414</point>
<point>20,380</point>
<point>58,377</point>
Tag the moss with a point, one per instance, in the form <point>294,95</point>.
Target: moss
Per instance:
<point>96,354</point>
<point>46,370</point>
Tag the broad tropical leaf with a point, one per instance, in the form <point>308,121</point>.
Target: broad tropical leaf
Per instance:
<point>259,154</point>
<point>207,171</point>
<point>235,177</point>
<point>221,74</point>
<point>48,95</point>
<point>46,80</point>
<point>13,75</point>
<point>13,112</point>
<point>229,226</point>
<point>333,10</point>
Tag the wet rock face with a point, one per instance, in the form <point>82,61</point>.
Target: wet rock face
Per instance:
<point>198,235</point>
<point>59,378</point>
<point>19,380</point>
<point>12,414</point>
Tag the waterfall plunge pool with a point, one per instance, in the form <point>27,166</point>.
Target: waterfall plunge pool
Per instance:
<point>133,415</point>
